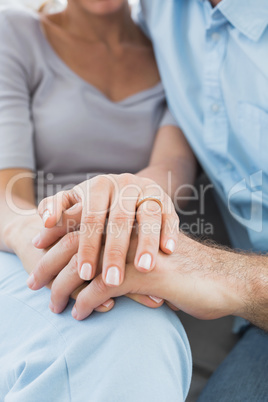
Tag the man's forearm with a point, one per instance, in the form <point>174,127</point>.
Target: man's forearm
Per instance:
<point>245,275</point>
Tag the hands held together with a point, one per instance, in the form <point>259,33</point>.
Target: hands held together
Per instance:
<point>90,233</point>
<point>108,231</point>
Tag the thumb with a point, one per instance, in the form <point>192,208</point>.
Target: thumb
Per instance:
<point>51,208</point>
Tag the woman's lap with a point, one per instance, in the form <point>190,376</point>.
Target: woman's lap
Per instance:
<point>131,353</point>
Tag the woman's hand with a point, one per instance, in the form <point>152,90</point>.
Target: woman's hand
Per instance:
<point>19,236</point>
<point>89,204</point>
<point>56,268</point>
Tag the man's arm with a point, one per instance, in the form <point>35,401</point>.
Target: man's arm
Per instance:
<point>247,275</point>
<point>204,281</point>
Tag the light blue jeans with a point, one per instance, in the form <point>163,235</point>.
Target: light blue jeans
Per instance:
<point>243,375</point>
<point>131,354</point>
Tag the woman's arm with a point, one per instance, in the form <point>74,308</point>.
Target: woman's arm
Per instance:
<point>172,162</point>
<point>16,136</point>
<point>18,210</point>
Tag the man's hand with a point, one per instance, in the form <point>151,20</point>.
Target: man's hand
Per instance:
<point>56,268</point>
<point>205,282</point>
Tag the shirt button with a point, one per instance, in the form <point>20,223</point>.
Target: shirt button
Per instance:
<point>229,166</point>
<point>215,107</point>
<point>215,36</point>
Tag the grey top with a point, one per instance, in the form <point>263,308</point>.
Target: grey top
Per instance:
<point>54,122</point>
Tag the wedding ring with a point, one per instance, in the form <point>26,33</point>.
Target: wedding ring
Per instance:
<point>150,198</point>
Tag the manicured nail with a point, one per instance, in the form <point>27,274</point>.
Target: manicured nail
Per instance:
<point>45,216</point>
<point>113,276</point>
<point>51,306</point>
<point>145,261</point>
<point>36,239</point>
<point>156,299</point>
<point>170,245</point>
<point>86,272</point>
<point>74,313</point>
<point>31,281</point>
<point>108,303</point>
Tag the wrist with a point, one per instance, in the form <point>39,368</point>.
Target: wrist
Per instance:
<point>230,286</point>
<point>20,231</point>
<point>200,280</point>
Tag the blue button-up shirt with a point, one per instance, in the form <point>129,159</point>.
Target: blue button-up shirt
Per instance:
<point>214,66</point>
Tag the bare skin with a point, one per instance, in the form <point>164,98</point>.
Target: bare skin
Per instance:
<point>100,43</point>
<point>205,281</point>
<point>210,282</point>
<point>110,52</point>
<point>214,2</point>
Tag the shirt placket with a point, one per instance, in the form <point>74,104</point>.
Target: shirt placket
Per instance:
<point>215,116</point>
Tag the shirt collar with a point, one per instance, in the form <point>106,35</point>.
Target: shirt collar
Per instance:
<point>249,17</point>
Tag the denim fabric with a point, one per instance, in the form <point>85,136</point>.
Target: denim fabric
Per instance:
<point>243,376</point>
<point>130,354</point>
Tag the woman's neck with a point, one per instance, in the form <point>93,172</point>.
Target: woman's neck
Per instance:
<point>215,2</point>
<point>110,29</point>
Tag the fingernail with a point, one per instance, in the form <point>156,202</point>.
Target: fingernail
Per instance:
<point>170,245</point>
<point>36,239</point>
<point>156,299</point>
<point>74,313</point>
<point>113,276</point>
<point>86,272</point>
<point>45,216</point>
<point>145,261</point>
<point>108,303</point>
<point>30,281</point>
<point>51,306</point>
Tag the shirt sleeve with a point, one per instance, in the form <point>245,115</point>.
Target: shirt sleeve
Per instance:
<point>16,128</point>
<point>167,119</point>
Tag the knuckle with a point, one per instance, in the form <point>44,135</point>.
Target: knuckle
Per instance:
<point>69,240</point>
<point>85,300</point>
<point>119,217</point>
<point>150,208</point>
<point>117,252</point>
<point>73,265</point>
<point>43,204</point>
<point>77,192</point>
<point>89,249</point>
<point>126,179</point>
<point>98,287</point>
<point>151,243</point>
<point>93,219</point>
<point>41,269</point>
<point>58,292</point>
<point>148,182</point>
<point>74,194</point>
<point>100,181</point>
<point>82,302</point>
<point>64,197</point>
<point>150,218</point>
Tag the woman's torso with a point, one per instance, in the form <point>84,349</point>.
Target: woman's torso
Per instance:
<point>78,130</point>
